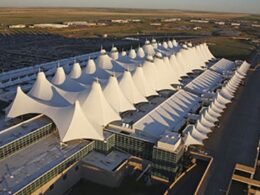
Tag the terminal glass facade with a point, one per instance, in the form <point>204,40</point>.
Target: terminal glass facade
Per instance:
<point>105,146</point>
<point>26,140</point>
<point>165,164</point>
<point>136,147</point>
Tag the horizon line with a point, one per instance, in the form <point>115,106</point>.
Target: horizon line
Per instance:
<point>130,8</point>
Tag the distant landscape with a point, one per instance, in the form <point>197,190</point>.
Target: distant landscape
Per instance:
<point>230,41</point>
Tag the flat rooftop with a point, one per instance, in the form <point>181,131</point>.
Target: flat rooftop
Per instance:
<point>170,138</point>
<point>22,129</point>
<point>28,164</point>
<point>143,109</point>
<point>107,162</point>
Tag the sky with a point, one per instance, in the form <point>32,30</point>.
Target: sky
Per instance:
<point>245,6</point>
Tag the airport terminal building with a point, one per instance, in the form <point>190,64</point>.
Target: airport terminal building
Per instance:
<point>96,115</point>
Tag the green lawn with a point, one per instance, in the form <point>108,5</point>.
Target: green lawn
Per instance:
<point>231,48</point>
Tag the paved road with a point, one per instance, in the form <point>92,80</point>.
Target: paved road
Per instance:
<point>237,138</point>
<point>187,185</point>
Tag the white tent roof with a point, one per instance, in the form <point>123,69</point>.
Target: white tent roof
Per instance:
<point>190,140</point>
<point>243,68</point>
<point>75,71</point>
<point>171,73</point>
<point>115,96</point>
<point>178,68</point>
<point>205,82</point>
<point>205,122</point>
<point>169,115</point>
<point>200,125</point>
<point>142,84</point>
<point>154,43</point>
<point>140,52</point>
<point>130,90</point>
<point>132,54</point>
<point>170,45</point>
<point>165,45</point>
<point>104,61</point>
<point>96,107</point>
<point>148,48</point>
<point>90,67</point>
<point>114,53</point>
<point>150,73</point>
<point>70,120</point>
<point>59,76</point>
<point>44,90</point>
<point>162,72</point>
<point>223,65</point>
<point>199,135</point>
<point>210,117</point>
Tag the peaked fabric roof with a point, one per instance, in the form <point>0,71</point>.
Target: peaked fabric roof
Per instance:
<point>96,107</point>
<point>115,96</point>
<point>76,100</point>
<point>90,67</point>
<point>66,83</point>
<point>114,53</point>
<point>162,71</point>
<point>130,90</point>
<point>104,61</point>
<point>142,84</point>
<point>150,73</point>
<point>132,54</point>
<point>148,48</point>
<point>44,90</point>
<point>59,76</point>
<point>140,52</point>
<point>69,120</point>
<point>169,115</point>
<point>75,71</point>
<point>190,140</point>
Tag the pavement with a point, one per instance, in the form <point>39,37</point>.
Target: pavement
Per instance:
<point>236,140</point>
<point>187,185</point>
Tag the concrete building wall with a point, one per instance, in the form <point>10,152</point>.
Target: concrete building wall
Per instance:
<point>104,177</point>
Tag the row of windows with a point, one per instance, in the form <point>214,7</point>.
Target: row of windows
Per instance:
<point>172,168</point>
<point>26,140</point>
<point>164,155</point>
<point>134,146</point>
<point>167,156</point>
<point>107,146</point>
<point>56,170</point>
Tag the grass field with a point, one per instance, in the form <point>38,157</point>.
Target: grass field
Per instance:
<point>232,49</point>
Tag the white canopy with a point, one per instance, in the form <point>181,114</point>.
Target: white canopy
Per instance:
<point>115,96</point>
<point>114,53</point>
<point>90,67</point>
<point>148,48</point>
<point>96,107</point>
<point>190,140</point>
<point>130,90</point>
<point>142,84</point>
<point>104,61</point>
<point>75,71</point>
<point>70,120</point>
<point>132,54</point>
<point>140,52</point>
<point>169,115</point>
